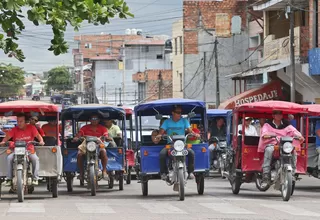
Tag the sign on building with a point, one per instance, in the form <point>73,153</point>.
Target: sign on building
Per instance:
<point>223,25</point>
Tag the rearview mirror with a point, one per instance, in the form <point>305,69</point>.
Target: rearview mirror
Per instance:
<point>159,116</point>
<point>191,115</point>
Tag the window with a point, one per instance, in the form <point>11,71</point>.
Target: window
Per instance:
<point>88,45</point>
<point>175,46</point>
<point>86,60</point>
<point>181,49</point>
<point>159,56</point>
<point>145,49</point>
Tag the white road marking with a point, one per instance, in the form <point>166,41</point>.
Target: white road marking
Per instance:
<point>162,208</point>
<point>226,208</point>
<point>292,210</point>
<point>94,208</point>
<point>26,207</point>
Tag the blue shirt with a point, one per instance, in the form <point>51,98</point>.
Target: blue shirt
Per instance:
<point>293,123</point>
<point>175,127</point>
<point>317,137</point>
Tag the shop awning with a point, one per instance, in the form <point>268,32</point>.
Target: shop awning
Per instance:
<point>259,70</point>
<point>268,91</point>
<point>274,5</point>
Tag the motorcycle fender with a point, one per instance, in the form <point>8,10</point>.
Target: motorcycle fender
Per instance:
<point>181,165</point>
<point>19,167</point>
<point>92,162</point>
<point>288,167</point>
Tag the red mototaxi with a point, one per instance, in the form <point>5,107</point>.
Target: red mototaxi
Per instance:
<point>247,158</point>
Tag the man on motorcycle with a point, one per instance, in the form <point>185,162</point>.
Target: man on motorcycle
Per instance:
<point>176,125</point>
<point>276,123</point>
<point>96,130</point>
<point>23,132</point>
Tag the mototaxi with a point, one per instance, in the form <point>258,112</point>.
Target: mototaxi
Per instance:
<point>50,156</point>
<point>116,155</point>
<point>149,166</point>
<point>244,163</point>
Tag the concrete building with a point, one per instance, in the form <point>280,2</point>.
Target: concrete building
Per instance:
<point>276,63</point>
<point>203,21</point>
<point>113,74</point>
<point>157,84</point>
<point>177,59</point>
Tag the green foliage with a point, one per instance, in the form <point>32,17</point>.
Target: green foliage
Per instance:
<point>59,79</point>
<point>11,80</point>
<point>56,13</point>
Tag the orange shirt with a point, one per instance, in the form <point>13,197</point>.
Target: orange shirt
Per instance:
<point>27,134</point>
<point>88,130</point>
<point>50,130</point>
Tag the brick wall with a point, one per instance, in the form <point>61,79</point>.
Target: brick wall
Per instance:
<point>304,42</point>
<point>208,11</point>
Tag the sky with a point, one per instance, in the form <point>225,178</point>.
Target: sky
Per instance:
<point>152,16</point>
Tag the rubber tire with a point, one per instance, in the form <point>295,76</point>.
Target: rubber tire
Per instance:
<point>220,169</point>
<point>144,188</point>
<point>258,185</point>
<point>30,190</point>
<point>200,184</point>
<point>54,187</point>
<point>128,180</point>
<point>286,196</point>
<point>20,188</point>
<point>92,178</point>
<point>293,187</point>
<point>121,182</point>
<point>111,182</point>
<point>181,184</point>
<point>69,183</point>
<point>236,184</point>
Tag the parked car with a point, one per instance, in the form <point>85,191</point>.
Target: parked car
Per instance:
<point>36,97</point>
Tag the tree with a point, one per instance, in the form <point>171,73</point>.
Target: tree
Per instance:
<point>56,13</point>
<point>11,80</point>
<point>59,79</point>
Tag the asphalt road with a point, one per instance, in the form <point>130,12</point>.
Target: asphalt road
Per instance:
<point>218,202</point>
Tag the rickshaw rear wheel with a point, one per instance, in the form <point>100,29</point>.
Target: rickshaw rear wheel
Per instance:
<point>144,187</point>
<point>69,180</point>
<point>293,187</point>
<point>258,184</point>
<point>121,181</point>
<point>111,182</point>
<point>30,189</point>
<point>128,180</point>
<point>54,187</point>
<point>200,184</point>
<point>236,184</point>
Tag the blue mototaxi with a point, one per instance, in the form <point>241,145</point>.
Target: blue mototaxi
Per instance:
<point>116,155</point>
<point>149,152</point>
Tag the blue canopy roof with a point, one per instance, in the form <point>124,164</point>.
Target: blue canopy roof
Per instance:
<point>218,112</point>
<point>83,112</point>
<point>165,106</point>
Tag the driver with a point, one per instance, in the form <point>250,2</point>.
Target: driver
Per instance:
<point>176,125</point>
<point>23,132</point>
<point>279,124</point>
<point>96,130</point>
<point>218,129</point>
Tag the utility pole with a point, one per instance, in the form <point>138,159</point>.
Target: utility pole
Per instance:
<point>81,77</point>
<point>124,68</point>
<point>217,73</point>
<point>160,84</point>
<point>120,96</point>
<point>293,68</point>
<point>204,76</point>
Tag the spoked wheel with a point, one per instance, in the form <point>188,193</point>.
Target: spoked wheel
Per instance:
<point>222,167</point>
<point>20,188</point>
<point>181,184</point>
<point>286,188</point>
<point>258,184</point>
<point>144,187</point>
<point>236,184</point>
<point>200,184</point>
<point>92,176</point>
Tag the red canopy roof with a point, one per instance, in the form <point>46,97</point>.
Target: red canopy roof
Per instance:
<point>314,110</point>
<point>269,106</point>
<point>27,106</point>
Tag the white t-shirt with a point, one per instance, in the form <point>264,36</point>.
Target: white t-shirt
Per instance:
<point>249,131</point>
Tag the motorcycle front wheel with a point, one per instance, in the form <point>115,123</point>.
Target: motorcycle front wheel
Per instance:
<point>20,188</point>
<point>181,184</point>
<point>92,176</point>
<point>286,188</point>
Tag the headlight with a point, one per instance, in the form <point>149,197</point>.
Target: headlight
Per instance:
<point>178,145</point>
<point>223,144</point>
<point>19,151</point>
<point>287,147</point>
<point>91,146</point>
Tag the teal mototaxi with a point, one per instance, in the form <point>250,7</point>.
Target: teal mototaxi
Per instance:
<point>148,165</point>
<point>80,114</point>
